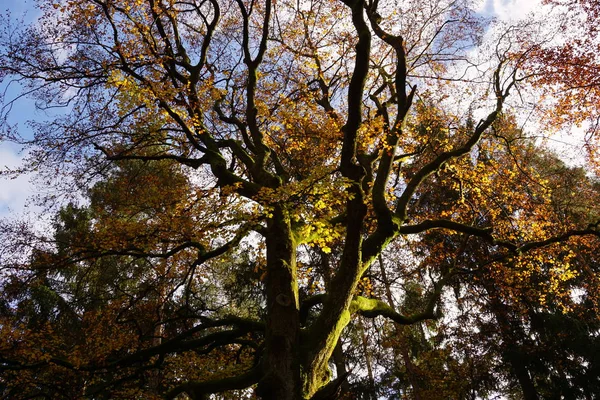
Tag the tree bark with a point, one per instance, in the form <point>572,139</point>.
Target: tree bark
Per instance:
<point>281,367</point>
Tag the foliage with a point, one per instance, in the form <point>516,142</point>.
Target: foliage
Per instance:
<point>284,199</point>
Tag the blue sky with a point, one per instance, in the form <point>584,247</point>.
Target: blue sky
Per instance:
<point>15,192</point>
<point>19,9</point>
<point>23,110</point>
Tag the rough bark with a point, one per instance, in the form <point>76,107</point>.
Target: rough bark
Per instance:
<point>281,368</point>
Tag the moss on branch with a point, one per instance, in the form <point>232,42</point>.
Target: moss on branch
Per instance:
<point>372,308</point>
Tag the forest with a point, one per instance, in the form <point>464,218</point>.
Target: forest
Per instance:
<point>302,200</point>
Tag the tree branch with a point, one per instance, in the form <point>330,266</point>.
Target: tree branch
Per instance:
<point>372,308</point>
<point>242,381</point>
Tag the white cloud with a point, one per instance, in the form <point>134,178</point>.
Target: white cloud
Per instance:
<point>509,10</point>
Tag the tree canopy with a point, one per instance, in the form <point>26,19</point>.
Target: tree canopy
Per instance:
<point>301,200</point>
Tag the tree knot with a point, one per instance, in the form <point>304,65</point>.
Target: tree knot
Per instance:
<point>283,300</point>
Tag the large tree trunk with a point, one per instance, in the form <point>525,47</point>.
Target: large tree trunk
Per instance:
<point>281,365</point>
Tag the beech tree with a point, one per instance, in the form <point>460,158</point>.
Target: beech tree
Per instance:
<point>246,165</point>
<point>566,72</point>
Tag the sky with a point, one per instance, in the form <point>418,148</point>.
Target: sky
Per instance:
<point>17,7</point>
<point>508,9</point>
<point>15,192</point>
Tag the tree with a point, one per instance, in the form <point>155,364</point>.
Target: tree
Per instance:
<point>247,138</point>
<point>566,71</point>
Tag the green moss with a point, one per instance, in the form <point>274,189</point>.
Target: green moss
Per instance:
<point>319,373</point>
<point>370,307</point>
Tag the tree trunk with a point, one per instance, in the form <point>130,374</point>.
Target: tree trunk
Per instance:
<point>281,379</point>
